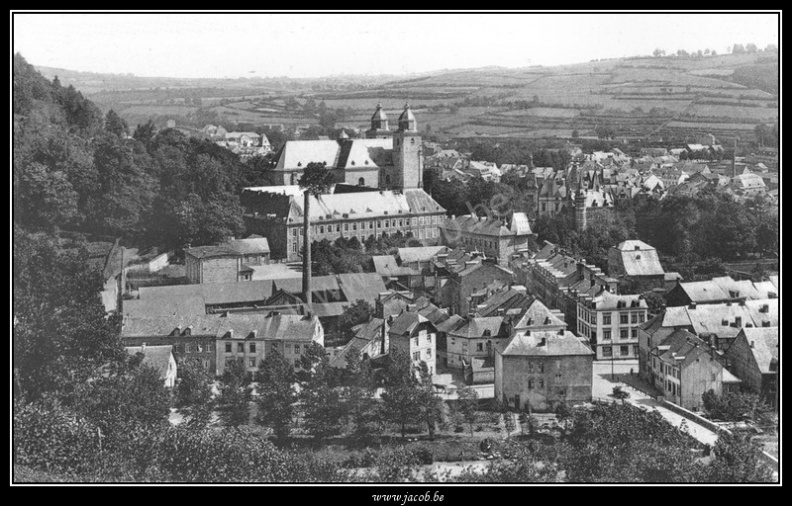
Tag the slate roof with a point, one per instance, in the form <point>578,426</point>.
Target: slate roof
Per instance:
<point>386,265</point>
<point>607,300</point>
<point>202,325</point>
<point>451,323</point>
<point>639,259</point>
<point>167,301</point>
<point>249,246</point>
<point>422,254</point>
<point>478,326</point>
<point>269,326</point>
<point>363,285</point>
<point>211,252</point>
<point>555,345</point>
<point>540,315</point>
<point>704,291</point>
<point>405,323</point>
<point>765,346</point>
<point>233,292</point>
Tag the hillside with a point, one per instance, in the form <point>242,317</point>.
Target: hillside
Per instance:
<point>727,95</point>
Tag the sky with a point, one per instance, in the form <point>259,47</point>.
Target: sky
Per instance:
<point>320,44</point>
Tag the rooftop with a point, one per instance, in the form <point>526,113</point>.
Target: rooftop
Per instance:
<point>544,344</point>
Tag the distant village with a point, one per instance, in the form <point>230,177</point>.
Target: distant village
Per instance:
<point>482,302</point>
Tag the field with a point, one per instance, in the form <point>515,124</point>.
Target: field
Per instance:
<point>637,96</point>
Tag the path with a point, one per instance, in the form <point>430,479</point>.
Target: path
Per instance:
<point>604,382</point>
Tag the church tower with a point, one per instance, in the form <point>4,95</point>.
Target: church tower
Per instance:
<point>407,152</point>
<point>379,125</point>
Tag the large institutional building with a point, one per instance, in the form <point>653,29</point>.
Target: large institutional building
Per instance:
<point>385,159</point>
<point>387,163</point>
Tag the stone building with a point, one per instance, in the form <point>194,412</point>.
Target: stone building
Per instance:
<point>637,263</point>
<point>610,323</point>
<point>278,214</point>
<point>754,358</point>
<point>227,262</point>
<point>495,237</point>
<point>539,370</point>
<point>388,160</point>
<point>415,335</point>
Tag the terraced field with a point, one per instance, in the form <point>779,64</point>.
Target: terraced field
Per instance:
<point>727,95</point>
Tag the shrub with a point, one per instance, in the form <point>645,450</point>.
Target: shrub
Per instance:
<point>424,456</point>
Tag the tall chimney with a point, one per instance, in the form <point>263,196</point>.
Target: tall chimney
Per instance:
<point>306,279</point>
<point>734,159</point>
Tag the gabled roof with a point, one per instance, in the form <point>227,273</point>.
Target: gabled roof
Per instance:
<point>639,259</point>
<point>704,291</point>
<point>539,315</point>
<point>544,344</point>
<point>249,246</point>
<point>480,327</point>
<point>211,252</point>
<point>363,285</point>
<point>607,300</point>
<point>452,323</point>
<point>167,301</point>
<point>200,325</point>
<point>764,346</point>
<point>406,323</point>
<point>386,265</point>
<point>270,326</point>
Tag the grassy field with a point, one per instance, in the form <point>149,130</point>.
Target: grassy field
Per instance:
<point>700,92</point>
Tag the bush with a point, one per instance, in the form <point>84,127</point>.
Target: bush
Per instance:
<point>459,429</point>
<point>424,456</point>
<point>46,436</point>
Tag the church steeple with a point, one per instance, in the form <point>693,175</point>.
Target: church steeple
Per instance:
<point>407,120</point>
<point>379,125</point>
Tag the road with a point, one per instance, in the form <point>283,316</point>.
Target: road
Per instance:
<point>604,382</point>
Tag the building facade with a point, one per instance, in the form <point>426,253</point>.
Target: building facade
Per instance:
<point>414,335</point>
<point>610,322</point>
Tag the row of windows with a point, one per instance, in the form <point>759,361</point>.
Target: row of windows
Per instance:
<point>623,333</point>
<point>252,347</point>
<point>394,223</point>
<point>483,243</point>
<point>193,348</point>
<point>428,339</point>
<point>624,351</point>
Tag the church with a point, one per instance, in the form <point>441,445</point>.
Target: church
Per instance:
<point>385,159</point>
<point>386,171</point>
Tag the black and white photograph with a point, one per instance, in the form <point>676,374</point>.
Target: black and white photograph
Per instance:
<point>376,250</point>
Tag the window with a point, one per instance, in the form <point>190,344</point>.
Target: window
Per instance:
<point>228,347</point>
<point>294,247</point>
<point>252,347</point>
<point>338,228</point>
<point>288,347</point>
<point>530,367</point>
<point>541,366</point>
<point>415,341</point>
<point>371,225</point>
<point>416,355</point>
<point>321,229</point>
<point>199,348</point>
<point>634,333</point>
<point>252,362</point>
<point>641,318</point>
<point>606,334</point>
<point>354,226</point>
<point>541,383</point>
<point>241,347</point>
<point>428,353</point>
<point>530,383</point>
<point>346,227</point>
<point>297,348</point>
<point>607,351</point>
<point>623,333</point>
<point>606,319</point>
<point>634,318</point>
<point>479,346</point>
<point>187,348</point>
<point>623,318</point>
<point>429,338</point>
<point>625,351</point>
<point>294,232</point>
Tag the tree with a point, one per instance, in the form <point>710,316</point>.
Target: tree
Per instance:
<point>361,407</point>
<point>234,402</point>
<point>682,53</point>
<point>575,134</point>
<point>193,392</point>
<point>401,397</point>
<point>751,48</point>
<point>658,52</point>
<point>738,49</point>
<point>277,396</point>
<point>467,404</point>
<point>358,312</point>
<point>115,124</point>
<point>323,407</point>
<point>145,133</point>
<point>736,461</point>
<point>316,179</point>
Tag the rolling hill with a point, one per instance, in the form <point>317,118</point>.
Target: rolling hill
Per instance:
<point>726,95</point>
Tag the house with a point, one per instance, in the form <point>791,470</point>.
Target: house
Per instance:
<point>610,323</point>
<point>228,262</point>
<point>477,337</point>
<point>495,237</point>
<point>370,341</point>
<point>636,262</point>
<point>685,367</point>
<point>160,358</point>
<point>250,337</point>
<point>717,290</point>
<point>754,357</point>
<point>717,323</point>
<point>462,286</point>
<point>414,335</point>
<point>539,370</point>
<point>189,337</point>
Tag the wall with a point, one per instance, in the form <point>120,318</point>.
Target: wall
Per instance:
<point>693,416</point>
<point>576,373</point>
<point>180,345</point>
<point>744,364</point>
<point>220,270</point>
<point>476,280</point>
